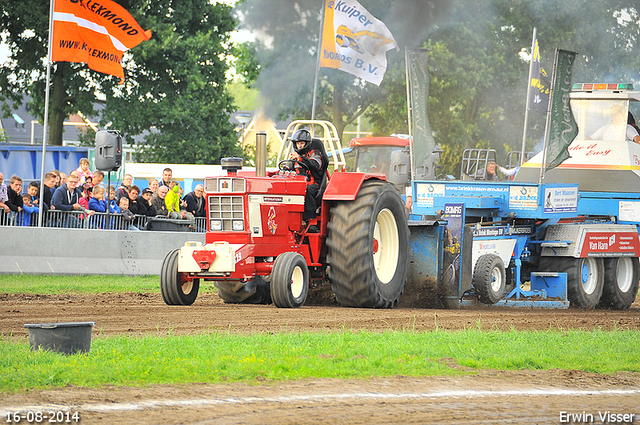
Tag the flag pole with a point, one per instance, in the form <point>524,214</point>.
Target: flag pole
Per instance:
<point>46,116</point>
<point>315,81</point>
<point>409,119</point>
<point>528,104</point>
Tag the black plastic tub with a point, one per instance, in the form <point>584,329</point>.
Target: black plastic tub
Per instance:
<point>169,225</point>
<point>64,338</point>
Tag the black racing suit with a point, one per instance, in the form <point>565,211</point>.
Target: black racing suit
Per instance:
<point>314,162</point>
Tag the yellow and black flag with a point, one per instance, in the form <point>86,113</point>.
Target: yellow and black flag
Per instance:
<point>540,85</point>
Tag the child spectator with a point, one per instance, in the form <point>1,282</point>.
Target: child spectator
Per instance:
<point>145,203</point>
<point>32,190</point>
<point>113,205</point>
<point>98,204</point>
<point>127,216</point>
<point>176,211</point>
<point>24,217</point>
<point>4,197</point>
<point>84,171</point>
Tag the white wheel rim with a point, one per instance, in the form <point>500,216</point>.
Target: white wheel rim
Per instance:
<point>589,275</point>
<point>187,287</point>
<point>297,282</point>
<point>386,247</point>
<point>624,274</point>
<point>496,279</point>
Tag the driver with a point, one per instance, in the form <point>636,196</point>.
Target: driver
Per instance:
<point>311,164</point>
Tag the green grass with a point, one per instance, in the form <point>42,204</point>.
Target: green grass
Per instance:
<point>223,357</point>
<point>92,284</point>
<point>54,285</point>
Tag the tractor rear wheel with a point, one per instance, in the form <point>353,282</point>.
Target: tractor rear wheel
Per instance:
<point>489,278</point>
<point>585,280</point>
<point>620,282</point>
<point>177,288</point>
<point>289,280</point>
<point>368,247</point>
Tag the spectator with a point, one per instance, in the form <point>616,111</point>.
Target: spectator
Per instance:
<point>63,179</point>
<point>144,203</point>
<point>134,205</point>
<point>67,196</point>
<point>157,202</point>
<point>87,194</point>
<point>58,178</point>
<point>176,211</point>
<point>98,177</point>
<point>49,187</point>
<point>113,206</point>
<point>167,175</point>
<point>98,204</point>
<point>128,217</point>
<point>24,218</point>
<point>4,197</point>
<point>123,190</point>
<point>153,186</point>
<point>14,194</point>
<point>32,191</point>
<point>195,201</point>
<point>490,174</point>
<point>83,171</point>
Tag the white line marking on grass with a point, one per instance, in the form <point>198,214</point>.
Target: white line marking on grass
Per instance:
<point>151,404</point>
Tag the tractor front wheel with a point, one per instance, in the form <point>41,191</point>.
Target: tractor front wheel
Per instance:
<point>368,247</point>
<point>289,280</point>
<point>177,288</point>
<point>489,278</point>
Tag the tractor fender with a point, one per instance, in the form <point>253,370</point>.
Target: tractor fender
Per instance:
<point>345,186</point>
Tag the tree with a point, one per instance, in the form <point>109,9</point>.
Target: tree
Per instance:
<point>175,87</point>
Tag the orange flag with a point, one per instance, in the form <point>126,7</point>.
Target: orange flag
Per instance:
<point>96,33</point>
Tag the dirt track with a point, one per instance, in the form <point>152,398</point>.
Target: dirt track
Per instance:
<point>485,397</point>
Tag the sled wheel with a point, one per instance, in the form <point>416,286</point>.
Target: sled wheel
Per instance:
<point>585,280</point>
<point>620,282</point>
<point>489,278</point>
<point>177,288</point>
<point>368,247</point>
<point>289,280</point>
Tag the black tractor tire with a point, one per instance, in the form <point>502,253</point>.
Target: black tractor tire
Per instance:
<point>175,289</point>
<point>489,278</point>
<point>236,292</point>
<point>585,280</point>
<point>289,280</point>
<point>621,277</point>
<point>368,247</point>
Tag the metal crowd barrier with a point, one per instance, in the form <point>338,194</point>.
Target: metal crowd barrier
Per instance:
<point>82,220</point>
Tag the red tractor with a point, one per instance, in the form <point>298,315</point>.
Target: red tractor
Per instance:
<point>257,249</point>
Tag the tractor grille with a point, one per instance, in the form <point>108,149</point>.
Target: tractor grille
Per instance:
<point>226,213</point>
<point>224,184</point>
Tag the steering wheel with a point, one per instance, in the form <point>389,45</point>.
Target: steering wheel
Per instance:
<point>290,165</point>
